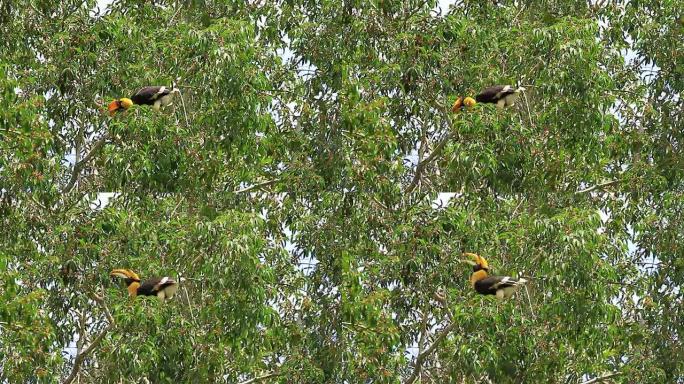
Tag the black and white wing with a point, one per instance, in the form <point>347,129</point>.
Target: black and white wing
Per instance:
<point>494,94</point>
<point>162,287</point>
<point>149,95</point>
<point>501,286</point>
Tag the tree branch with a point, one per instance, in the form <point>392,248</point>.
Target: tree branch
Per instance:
<point>422,164</point>
<point>81,356</point>
<point>602,378</point>
<point>256,186</point>
<point>597,186</point>
<point>80,164</point>
<point>261,378</point>
<point>428,351</point>
<point>380,204</point>
<point>423,332</point>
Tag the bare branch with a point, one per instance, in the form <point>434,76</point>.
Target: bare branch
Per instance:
<point>261,378</point>
<point>81,356</point>
<point>529,301</point>
<point>515,211</point>
<point>380,204</point>
<point>423,332</point>
<point>256,186</point>
<point>600,379</point>
<point>78,167</point>
<point>187,297</point>
<point>428,351</point>
<point>423,163</point>
<point>185,111</point>
<point>414,11</point>
<point>355,326</point>
<point>597,186</point>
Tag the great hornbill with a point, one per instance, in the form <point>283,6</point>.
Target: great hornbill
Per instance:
<point>501,95</point>
<point>162,287</point>
<point>502,286</point>
<point>157,96</point>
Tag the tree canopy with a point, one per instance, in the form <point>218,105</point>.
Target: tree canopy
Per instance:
<point>314,191</point>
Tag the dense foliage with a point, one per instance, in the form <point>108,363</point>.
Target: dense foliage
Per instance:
<point>299,190</point>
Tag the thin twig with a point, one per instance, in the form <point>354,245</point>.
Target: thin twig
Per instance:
<point>428,351</point>
<point>423,332</point>
<point>355,326</point>
<point>105,308</point>
<point>7,325</point>
<point>621,283</point>
<point>185,112</point>
<point>187,297</point>
<point>527,105</point>
<point>175,14</point>
<point>261,378</point>
<point>176,208</point>
<point>626,91</point>
<point>380,204</point>
<point>529,301</point>
<point>76,172</point>
<point>602,378</point>
<point>515,211</point>
<point>597,186</point>
<point>515,19</point>
<point>81,356</point>
<point>422,164</point>
<point>423,146</point>
<point>256,186</point>
<point>414,11</point>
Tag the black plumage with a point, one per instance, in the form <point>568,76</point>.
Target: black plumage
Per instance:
<point>491,284</point>
<point>156,96</point>
<point>152,286</point>
<point>501,95</point>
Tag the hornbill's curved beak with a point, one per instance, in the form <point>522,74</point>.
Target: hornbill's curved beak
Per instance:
<point>119,104</point>
<point>475,260</point>
<point>457,104</point>
<point>124,273</point>
<point>466,261</point>
<point>113,107</point>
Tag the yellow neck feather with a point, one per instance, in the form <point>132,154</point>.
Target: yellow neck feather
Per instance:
<point>477,276</point>
<point>133,289</point>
